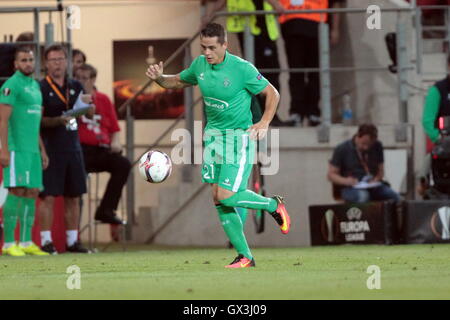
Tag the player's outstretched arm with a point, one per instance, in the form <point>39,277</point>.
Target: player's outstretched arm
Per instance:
<point>155,73</point>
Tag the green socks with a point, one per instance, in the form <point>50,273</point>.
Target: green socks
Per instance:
<point>12,206</point>
<point>26,217</point>
<point>242,212</point>
<point>22,208</point>
<point>250,200</point>
<point>233,228</point>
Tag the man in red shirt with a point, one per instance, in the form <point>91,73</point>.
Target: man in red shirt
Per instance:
<point>101,146</point>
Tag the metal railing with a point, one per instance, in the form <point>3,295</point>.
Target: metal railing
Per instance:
<point>36,32</point>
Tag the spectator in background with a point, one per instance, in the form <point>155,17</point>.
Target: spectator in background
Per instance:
<point>78,59</point>
<point>265,31</point>
<point>7,55</point>
<point>360,159</point>
<point>100,141</point>
<point>22,153</point>
<point>301,40</point>
<point>437,104</point>
<point>65,175</point>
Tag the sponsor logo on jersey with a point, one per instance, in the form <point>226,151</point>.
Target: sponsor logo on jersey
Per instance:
<point>259,76</point>
<point>215,103</point>
<point>226,182</point>
<point>6,92</point>
<point>201,76</point>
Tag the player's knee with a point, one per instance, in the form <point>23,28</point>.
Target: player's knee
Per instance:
<point>223,196</point>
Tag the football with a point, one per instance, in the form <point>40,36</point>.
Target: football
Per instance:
<point>155,166</point>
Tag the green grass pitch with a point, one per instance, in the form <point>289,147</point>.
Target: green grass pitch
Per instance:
<point>144,272</point>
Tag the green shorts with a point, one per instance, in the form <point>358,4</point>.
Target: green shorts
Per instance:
<point>24,170</point>
<point>228,160</point>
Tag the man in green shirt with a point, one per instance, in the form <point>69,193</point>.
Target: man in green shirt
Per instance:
<point>227,84</point>
<point>20,157</point>
<point>437,104</point>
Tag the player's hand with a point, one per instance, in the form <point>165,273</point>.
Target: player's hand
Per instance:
<point>259,130</point>
<point>4,157</point>
<point>45,160</point>
<point>155,71</point>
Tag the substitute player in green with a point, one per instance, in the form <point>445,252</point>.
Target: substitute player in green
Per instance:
<point>20,157</point>
<point>227,83</point>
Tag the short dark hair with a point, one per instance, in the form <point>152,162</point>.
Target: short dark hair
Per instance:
<point>54,47</point>
<point>214,30</point>
<point>78,51</point>
<point>368,129</point>
<point>90,68</point>
<point>23,48</point>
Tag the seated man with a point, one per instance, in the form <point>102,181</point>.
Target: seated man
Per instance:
<point>101,146</point>
<point>358,160</point>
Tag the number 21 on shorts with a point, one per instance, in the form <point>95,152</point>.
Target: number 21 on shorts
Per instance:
<point>208,171</point>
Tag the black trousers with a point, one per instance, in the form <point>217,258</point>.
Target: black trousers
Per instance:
<point>266,57</point>
<point>98,159</point>
<point>303,52</point>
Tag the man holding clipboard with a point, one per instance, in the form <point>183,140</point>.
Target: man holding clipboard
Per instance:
<point>63,101</point>
<point>357,168</point>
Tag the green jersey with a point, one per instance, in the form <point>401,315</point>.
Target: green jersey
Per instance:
<point>430,113</point>
<point>23,94</point>
<point>227,90</point>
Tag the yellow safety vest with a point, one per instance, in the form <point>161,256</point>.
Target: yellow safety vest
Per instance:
<point>238,23</point>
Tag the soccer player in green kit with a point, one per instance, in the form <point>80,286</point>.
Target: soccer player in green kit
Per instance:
<point>22,154</point>
<point>227,83</point>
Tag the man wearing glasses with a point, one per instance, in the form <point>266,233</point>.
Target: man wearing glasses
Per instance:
<point>65,175</point>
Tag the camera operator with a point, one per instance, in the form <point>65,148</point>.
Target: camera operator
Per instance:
<point>432,183</point>
<point>437,104</point>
